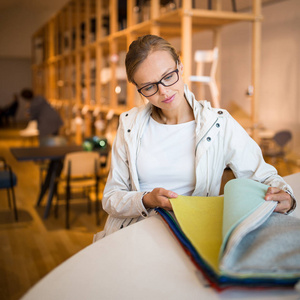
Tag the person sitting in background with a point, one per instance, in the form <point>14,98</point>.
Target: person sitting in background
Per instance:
<point>9,111</point>
<point>49,120</point>
<point>175,144</point>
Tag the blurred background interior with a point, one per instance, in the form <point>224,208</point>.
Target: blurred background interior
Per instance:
<point>63,50</point>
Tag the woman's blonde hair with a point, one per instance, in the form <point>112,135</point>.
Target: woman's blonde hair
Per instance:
<point>141,48</point>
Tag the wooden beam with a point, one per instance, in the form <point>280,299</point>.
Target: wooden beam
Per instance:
<point>130,13</point>
<point>87,71</point>
<point>113,14</point>
<point>99,58</point>
<point>217,43</point>
<point>221,15</point>
<point>113,80</point>
<point>186,41</point>
<point>130,87</point>
<point>87,22</point>
<point>77,22</point>
<point>256,53</point>
<point>99,22</point>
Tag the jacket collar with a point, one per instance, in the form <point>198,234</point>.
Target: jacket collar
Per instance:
<point>205,115</point>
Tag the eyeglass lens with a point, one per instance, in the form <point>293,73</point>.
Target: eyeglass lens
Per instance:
<point>168,80</point>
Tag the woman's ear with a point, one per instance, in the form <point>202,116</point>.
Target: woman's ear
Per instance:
<point>180,67</point>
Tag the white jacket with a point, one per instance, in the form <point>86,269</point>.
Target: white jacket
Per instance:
<point>220,142</point>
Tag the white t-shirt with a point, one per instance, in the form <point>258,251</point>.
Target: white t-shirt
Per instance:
<point>167,157</point>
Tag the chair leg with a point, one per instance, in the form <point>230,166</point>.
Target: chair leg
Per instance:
<point>56,204</point>
<point>215,94</point>
<point>68,192</point>
<point>56,209</point>
<point>233,5</point>
<point>209,4</point>
<point>97,205</point>
<point>8,198</point>
<point>89,207</point>
<point>14,203</point>
<point>41,178</point>
<point>201,88</point>
<point>13,200</point>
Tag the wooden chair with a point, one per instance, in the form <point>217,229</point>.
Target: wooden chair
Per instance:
<point>8,180</point>
<point>203,57</point>
<point>105,162</point>
<point>80,171</point>
<point>278,149</point>
<point>31,131</point>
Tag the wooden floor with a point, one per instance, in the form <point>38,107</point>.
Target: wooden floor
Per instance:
<point>32,247</point>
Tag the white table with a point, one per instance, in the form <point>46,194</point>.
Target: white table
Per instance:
<point>142,261</point>
<point>294,181</point>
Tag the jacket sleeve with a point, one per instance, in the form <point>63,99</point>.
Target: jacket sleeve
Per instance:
<point>245,159</point>
<point>120,200</point>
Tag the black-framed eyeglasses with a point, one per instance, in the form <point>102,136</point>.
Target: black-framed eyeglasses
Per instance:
<point>152,88</point>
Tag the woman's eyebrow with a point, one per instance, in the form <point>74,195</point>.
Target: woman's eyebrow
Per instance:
<point>163,74</point>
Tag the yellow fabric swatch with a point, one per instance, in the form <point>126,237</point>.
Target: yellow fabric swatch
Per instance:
<point>201,219</point>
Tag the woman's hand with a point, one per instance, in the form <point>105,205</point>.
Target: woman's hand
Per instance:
<point>285,201</point>
<point>159,197</point>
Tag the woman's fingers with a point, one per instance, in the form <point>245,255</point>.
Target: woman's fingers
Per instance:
<point>159,197</point>
<point>284,199</point>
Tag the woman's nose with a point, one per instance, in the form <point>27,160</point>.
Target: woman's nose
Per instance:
<point>161,89</point>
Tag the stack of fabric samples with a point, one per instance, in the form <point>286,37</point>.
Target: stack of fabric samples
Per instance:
<point>237,240</point>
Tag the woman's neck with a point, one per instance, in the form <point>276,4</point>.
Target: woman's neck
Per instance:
<point>182,115</point>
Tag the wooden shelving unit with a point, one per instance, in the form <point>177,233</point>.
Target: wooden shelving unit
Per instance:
<point>78,56</point>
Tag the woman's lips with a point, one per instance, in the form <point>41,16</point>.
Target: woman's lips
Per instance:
<point>168,100</point>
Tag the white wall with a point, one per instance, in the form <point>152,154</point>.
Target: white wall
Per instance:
<point>16,29</point>
<point>19,20</point>
<point>15,74</point>
<point>279,106</point>
<point>280,80</point>
<point>15,32</point>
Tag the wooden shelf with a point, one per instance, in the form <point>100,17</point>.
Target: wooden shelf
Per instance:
<point>85,37</point>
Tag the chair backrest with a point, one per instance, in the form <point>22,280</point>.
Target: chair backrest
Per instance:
<point>206,56</point>
<point>8,178</point>
<point>32,125</point>
<point>30,130</point>
<point>281,138</point>
<point>81,163</point>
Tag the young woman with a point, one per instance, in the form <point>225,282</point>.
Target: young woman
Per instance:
<point>175,144</point>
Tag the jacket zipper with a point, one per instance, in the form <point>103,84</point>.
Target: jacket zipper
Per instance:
<point>207,192</point>
<point>206,134</point>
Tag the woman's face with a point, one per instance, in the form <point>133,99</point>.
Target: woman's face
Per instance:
<point>155,67</point>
